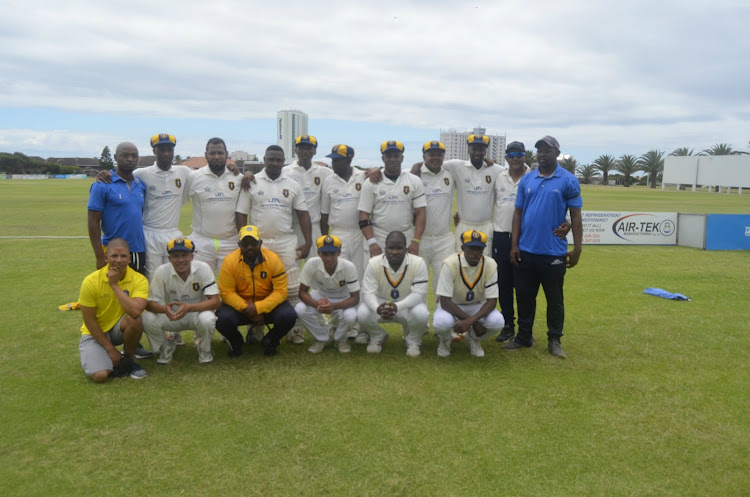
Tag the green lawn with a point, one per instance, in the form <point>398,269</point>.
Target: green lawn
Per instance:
<point>652,400</point>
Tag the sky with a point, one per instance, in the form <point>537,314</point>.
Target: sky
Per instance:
<point>603,77</point>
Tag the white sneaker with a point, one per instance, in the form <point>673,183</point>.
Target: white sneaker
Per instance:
<point>413,350</point>
<point>296,336</point>
<point>353,332</point>
<point>166,351</point>
<point>475,347</point>
<point>205,357</point>
<point>376,346</point>
<point>444,348</point>
<point>343,346</point>
<point>362,338</point>
<point>317,347</point>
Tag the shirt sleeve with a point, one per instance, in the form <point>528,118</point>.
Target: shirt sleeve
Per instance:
<point>280,288</point>
<point>325,200</point>
<point>97,197</point>
<point>352,280</point>
<point>140,286</point>
<point>306,275</point>
<point>573,194</point>
<point>366,199</point>
<point>445,282</point>
<point>418,197</point>
<point>418,289</point>
<point>521,193</point>
<point>156,288</point>
<point>244,202</point>
<point>208,281</point>
<point>299,203</point>
<point>228,286</point>
<point>87,297</point>
<point>370,289</point>
<point>491,290</point>
<point>452,165</point>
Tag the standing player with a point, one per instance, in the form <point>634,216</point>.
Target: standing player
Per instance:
<point>468,295</point>
<point>394,289</point>
<point>338,206</point>
<point>397,203</point>
<point>112,300</point>
<point>214,190</point>
<point>272,202</point>
<point>538,255</point>
<point>182,296</point>
<point>115,210</point>
<point>335,291</point>
<point>311,177</point>
<point>437,240</point>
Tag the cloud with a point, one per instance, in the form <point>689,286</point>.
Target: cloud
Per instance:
<point>597,71</point>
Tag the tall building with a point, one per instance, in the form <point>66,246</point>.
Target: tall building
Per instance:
<point>290,124</point>
<point>457,148</point>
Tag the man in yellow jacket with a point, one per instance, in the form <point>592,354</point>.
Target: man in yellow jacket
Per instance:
<point>253,289</point>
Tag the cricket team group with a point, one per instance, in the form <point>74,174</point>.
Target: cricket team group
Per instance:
<point>334,250</point>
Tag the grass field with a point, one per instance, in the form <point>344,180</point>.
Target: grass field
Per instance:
<point>652,400</point>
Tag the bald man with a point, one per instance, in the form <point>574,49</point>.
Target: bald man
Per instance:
<point>115,210</point>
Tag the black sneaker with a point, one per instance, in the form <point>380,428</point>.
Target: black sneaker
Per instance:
<point>142,353</point>
<point>555,348</point>
<point>269,349</point>
<point>516,345</point>
<point>124,368</point>
<point>505,334</point>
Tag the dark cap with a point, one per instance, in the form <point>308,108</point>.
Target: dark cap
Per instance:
<point>515,146</point>
<point>552,142</point>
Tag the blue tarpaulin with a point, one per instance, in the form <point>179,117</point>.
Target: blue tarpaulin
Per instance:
<point>658,292</point>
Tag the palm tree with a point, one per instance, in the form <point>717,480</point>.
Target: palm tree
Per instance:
<point>605,163</point>
<point>653,163</point>
<point>570,164</point>
<point>682,152</point>
<point>530,159</point>
<point>587,173</point>
<point>722,149</point>
<point>627,165</point>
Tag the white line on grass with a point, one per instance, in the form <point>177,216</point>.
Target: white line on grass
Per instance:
<point>38,237</point>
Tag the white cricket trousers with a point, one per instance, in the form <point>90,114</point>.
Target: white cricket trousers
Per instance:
<point>414,320</point>
<point>443,321</point>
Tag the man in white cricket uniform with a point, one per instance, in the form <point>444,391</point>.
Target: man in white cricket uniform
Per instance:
<point>396,203</point>
<point>394,289</point>
<point>437,241</point>
<point>214,190</point>
<point>183,295</point>
<point>475,185</point>
<point>272,202</point>
<point>311,177</point>
<point>167,190</point>
<point>338,206</point>
<point>328,285</point>
<point>468,295</point>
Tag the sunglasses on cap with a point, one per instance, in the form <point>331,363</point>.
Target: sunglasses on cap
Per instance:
<point>515,155</point>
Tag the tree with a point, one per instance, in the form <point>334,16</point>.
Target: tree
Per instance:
<point>722,149</point>
<point>530,159</point>
<point>587,173</point>
<point>105,161</point>
<point>653,163</point>
<point>177,159</point>
<point>570,164</point>
<point>627,165</point>
<point>605,164</point>
<point>681,152</point>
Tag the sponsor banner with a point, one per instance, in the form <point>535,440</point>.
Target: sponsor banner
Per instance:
<point>628,228</point>
<point>29,176</point>
<point>728,232</point>
<point>70,176</point>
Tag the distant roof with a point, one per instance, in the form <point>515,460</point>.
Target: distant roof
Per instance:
<point>73,161</point>
<point>146,160</point>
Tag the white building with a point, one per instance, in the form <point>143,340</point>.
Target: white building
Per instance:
<point>242,155</point>
<point>289,125</point>
<point>457,148</point>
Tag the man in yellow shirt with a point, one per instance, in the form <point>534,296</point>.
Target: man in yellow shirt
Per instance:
<point>253,289</point>
<point>112,300</point>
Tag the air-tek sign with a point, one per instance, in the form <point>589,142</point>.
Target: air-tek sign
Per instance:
<point>628,228</point>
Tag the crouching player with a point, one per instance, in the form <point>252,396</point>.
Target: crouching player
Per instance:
<point>335,291</point>
<point>112,300</point>
<point>467,288</point>
<point>394,289</point>
<point>182,296</point>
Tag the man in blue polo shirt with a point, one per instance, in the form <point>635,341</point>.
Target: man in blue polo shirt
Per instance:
<point>544,197</point>
<point>115,210</point>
